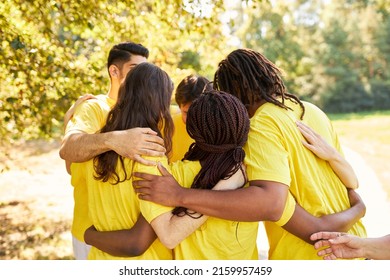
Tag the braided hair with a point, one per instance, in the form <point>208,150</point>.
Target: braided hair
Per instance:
<point>219,124</point>
<point>251,77</point>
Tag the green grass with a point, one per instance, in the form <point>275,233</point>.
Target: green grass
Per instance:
<point>367,133</point>
<point>356,116</point>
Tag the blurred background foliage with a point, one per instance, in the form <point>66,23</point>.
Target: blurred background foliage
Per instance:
<point>333,53</point>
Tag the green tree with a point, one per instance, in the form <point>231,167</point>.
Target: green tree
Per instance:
<point>51,52</point>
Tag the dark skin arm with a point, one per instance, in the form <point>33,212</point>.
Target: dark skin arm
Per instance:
<point>342,221</point>
<point>261,201</point>
<point>123,243</point>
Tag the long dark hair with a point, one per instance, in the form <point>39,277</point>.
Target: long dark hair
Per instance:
<point>251,77</point>
<point>219,124</point>
<point>143,101</point>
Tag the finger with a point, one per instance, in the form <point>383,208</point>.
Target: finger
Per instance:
<point>145,176</point>
<point>342,238</point>
<point>144,161</point>
<point>307,135</point>
<point>162,169</point>
<point>154,139</point>
<point>152,149</point>
<point>147,130</point>
<point>330,257</point>
<point>321,243</point>
<point>144,197</point>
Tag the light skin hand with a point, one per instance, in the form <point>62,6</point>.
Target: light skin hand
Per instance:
<point>315,143</point>
<point>135,142</point>
<point>339,245</point>
<point>69,114</point>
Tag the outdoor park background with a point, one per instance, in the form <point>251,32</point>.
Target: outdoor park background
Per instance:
<point>333,54</point>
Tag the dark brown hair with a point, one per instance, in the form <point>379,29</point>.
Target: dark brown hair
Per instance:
<point>219,124</point>
<point>143,101</point>
<point>190,88</point>
<point>251,77</point>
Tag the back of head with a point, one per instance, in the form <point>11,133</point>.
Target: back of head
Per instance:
<point>219,124</point>
<point>144,97</point>
<point>249,75</point>
<point>252,78</point>
<point>190,88</point>
<point>122,52</point>
<point>143,101</point>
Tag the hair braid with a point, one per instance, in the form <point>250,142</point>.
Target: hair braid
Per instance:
<point>219,124</point>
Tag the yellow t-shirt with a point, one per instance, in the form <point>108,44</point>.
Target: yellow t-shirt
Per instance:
<point>89,117</point>
<point>115,207</point>
<point>274,152</point>
<point>181,141</point>
<point>216,239</point>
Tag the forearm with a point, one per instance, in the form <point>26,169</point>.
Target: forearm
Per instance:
<point>377,248</point>
<point>80,147</point>
<point>249,204</point>
<point>344,171</point>
<point>303,224</point>
<point>123,243</point>
<point>172,229</point>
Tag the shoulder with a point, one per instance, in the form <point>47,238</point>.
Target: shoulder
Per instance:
<point>185,171</point>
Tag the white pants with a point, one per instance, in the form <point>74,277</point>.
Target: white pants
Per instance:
<point>80,249</point>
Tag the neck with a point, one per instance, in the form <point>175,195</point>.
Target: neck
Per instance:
<point>114,89</point>
<point>253,107</point>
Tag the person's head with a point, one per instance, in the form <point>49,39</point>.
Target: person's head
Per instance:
<point>250,76</point>
<point>188,90</point>
<point>219,124</point>
<point>123,57</point>
<point>143,101</point>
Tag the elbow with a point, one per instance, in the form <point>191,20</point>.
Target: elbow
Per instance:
<point>275,214</point>
<point>133,250</point>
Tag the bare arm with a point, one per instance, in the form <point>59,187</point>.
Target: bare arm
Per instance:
<point>131,143</point>
<point>246,204</point>
<point>123,243</point>
<point>262,201</point>
<point>322,149</point>
<point>172,229</point>
<point>347,246</point>
<point>303,224</point>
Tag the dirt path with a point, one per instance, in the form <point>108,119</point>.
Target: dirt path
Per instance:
<point>36,203</point>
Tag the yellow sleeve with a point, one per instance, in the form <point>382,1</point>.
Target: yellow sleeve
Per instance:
<point>266,156</point>
<point>288,211</point>
<point>88,117</point>
<point>151,210</point>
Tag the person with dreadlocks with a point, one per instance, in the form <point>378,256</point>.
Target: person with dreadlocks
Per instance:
<point>282,173</point>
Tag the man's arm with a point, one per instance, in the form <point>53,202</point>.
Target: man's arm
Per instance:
<point>131,143</point>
